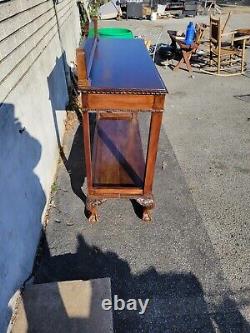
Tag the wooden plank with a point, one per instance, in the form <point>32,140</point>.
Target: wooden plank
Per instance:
<point>118,159</point>
<point>81,68</point>
<point>95,19</point>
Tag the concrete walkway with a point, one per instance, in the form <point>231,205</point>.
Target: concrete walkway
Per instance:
<point>71,306</point>
<point>192,261</point>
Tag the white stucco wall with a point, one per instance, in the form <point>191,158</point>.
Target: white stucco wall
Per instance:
<point>32,87</point>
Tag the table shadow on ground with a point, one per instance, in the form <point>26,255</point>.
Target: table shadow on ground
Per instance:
<point>176,299</point>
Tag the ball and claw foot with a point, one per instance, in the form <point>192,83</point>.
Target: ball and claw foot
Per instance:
<point>146,215</point>
<point>93,218</point>
<point>91,206</point>
<point>147,203</point>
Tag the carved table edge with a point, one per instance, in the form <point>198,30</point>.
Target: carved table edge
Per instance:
<point>120,92</point>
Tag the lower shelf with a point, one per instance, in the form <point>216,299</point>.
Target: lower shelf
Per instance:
<point>117,158</point>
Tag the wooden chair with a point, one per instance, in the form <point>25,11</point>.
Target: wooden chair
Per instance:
<point>188,50</point>
<point>225,60</point>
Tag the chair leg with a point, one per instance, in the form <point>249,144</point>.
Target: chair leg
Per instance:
<point>179,64</point>
<point>210,55</point>
<point>187,56</point>
<point>218,65</point>
<point>243,56</point>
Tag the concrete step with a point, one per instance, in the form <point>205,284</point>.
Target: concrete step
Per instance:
<point>65,307</point>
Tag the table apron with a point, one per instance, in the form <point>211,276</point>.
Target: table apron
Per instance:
<point>123,102</point>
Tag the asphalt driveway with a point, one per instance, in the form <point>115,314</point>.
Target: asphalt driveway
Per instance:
<point>192,262</point>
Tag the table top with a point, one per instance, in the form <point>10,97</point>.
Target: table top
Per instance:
<point>122,65</point>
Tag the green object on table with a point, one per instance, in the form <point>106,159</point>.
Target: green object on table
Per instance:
<point>112,33</point>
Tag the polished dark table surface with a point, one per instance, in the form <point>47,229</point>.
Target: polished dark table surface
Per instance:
<point>123,65</point>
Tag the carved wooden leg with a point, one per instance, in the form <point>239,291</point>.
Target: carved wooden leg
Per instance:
<point>147,202</point>
<point>91,206</point>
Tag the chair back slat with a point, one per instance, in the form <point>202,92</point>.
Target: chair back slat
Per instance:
<point>215,31</point>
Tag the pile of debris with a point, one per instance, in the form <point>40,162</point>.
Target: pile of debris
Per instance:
<point>150,9</point>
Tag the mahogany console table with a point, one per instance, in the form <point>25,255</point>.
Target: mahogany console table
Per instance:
<point>117,79</point>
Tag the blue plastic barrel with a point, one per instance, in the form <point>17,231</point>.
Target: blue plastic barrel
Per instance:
<point>190,34</point>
